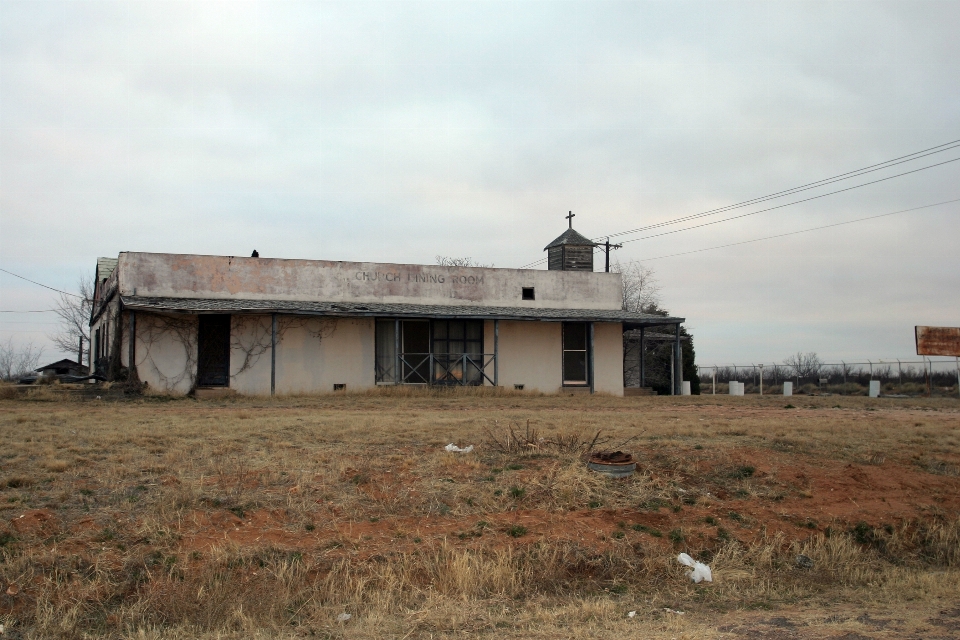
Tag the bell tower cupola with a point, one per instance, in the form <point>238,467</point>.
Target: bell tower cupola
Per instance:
<point>571,251</point>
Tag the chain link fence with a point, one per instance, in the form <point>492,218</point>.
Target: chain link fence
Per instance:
<point>922,377</point>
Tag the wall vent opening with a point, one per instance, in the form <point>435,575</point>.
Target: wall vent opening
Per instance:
<point>527,293</point>
<point>518,387</point>
<point>339,387</point>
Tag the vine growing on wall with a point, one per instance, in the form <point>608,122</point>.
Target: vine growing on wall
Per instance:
<point>183,330</point>
<point>250,337</point>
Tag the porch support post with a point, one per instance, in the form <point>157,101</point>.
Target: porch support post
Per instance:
<point>396,350</point>
<point>590,361</point>
<point>132,347</point>
<point>643,352</point>
<point>678,369</point>
<point>273,354</point>
<point>496,353</point>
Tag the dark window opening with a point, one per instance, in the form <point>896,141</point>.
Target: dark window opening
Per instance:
<point>339,387</point>
<point>527,293</point>
<point>415,346</point>
<point>213,351</point>
<point>518,387</point>
<point>575,353</point>
<point>452,339</point>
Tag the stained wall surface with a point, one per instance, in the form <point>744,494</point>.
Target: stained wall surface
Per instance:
<point>313,354</point>
<point>223,277</point>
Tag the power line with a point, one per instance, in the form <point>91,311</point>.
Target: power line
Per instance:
<point>38,311</point>
<point>780,206</point>
<point>752,213</point>
<point>819,183</point>
<point>41,285</point>
<point>793,233</point>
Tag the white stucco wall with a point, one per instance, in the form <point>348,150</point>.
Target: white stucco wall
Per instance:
<point>313,354</point>
<point>166,352</point>
<point>608,357</point>
<point>313,357</point>
<point>221,277</point>
<point>531,355</point>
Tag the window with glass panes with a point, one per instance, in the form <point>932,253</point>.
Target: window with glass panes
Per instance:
<point>575,353</point>
<point>451,340</point>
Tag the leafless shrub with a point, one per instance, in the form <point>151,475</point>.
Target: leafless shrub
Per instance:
<point>450,261</point>
<point>513,441</point>
<point>17,360</point>
<point>804,365</point>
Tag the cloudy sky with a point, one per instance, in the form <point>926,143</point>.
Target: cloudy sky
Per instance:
<point>396,131</point>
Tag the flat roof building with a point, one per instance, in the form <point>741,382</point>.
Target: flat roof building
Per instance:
<point>265,326</point>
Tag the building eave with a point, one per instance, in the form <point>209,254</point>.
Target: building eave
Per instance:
<point>196,306</point>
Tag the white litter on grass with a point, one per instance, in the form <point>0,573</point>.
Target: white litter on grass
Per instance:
<point>452,448</point>
<point>631,614</point>
<point>669,610</point>
<point>343,617</point>
<point>698,572</point>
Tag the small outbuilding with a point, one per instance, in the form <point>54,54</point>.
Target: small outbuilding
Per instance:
<point>62,368</point>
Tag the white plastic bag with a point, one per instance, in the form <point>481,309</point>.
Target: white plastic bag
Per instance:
<point>699,572</point>
<point>452,448</point>
<point>343,617</point>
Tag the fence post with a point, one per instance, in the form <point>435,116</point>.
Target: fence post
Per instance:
<point>761,379</point>
<point>958,375</point>
<point>715,379</point>
<point>900,375</point>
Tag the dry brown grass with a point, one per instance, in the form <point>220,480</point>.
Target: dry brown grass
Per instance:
<point>268,517</point>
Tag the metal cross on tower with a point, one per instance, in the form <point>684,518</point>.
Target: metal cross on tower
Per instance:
<point>569,218</point>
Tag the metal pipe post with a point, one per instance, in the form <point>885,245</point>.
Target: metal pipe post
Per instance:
<point>396,351</point>
<point>761,379</point>
<point>643,353</point>
<point>714,379</point>
<point>273,354</point>
<point>673,375</point>
<point>496,353</point>
<point>679,359</point>
<point>590,358</point>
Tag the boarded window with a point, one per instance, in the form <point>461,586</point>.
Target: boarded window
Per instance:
<point>213,351</point>
<point>575,353</point>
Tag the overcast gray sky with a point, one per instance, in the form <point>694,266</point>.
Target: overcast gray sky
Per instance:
<point>396,131</point>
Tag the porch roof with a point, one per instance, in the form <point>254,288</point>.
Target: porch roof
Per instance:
<point>629,319</point>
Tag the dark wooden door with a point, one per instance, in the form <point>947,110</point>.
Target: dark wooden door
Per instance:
<point>213,351</point>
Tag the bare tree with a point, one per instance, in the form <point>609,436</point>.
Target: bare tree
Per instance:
<point>449,261</point>
<point>641,291</point>
<point>74,317</point>
<point>18,360</point>
<point>805,365</point>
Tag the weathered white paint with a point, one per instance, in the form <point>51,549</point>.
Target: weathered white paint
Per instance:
<point>608,358</point>
<point>788,388</point>
<point>531,355</point>
<point>166,352</point>
<point>223,277</point>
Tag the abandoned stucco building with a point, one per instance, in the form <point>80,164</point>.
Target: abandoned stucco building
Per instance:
<point>265,326</point>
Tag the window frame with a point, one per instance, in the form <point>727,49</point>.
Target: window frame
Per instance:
<point>585,351</point>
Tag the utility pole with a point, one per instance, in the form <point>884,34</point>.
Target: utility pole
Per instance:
<point>607,246</point>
